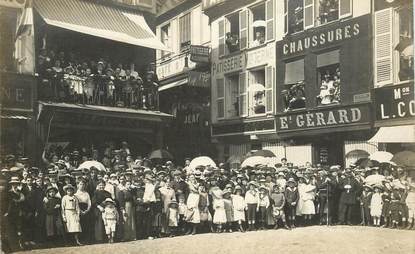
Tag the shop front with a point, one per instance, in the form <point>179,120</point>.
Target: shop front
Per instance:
<point>323,90</point>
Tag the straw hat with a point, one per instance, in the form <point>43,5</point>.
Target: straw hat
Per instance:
<point>68,186</point>
<point>14,180</point>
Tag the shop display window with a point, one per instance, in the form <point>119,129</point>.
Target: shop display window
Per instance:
<point>258,25</point>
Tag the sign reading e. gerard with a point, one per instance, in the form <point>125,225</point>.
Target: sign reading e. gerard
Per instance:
<point>324,118</point>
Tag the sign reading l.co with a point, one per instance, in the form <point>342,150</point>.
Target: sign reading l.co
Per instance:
<point>324,118</point>
<point>395,102</point>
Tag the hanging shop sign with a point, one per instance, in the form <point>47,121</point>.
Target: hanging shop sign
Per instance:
<point>324,118</point>
<point>229,64</point>
<point>395,102</point>
<point>199,54</point>
<point>199,79</point>
<point>325,36</point>
<point>16,91</point>
<point>173,67</point>
<point>243,128</point>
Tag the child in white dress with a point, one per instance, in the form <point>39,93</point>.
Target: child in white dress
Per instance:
<point>376,204</point>
<point>239,207</point>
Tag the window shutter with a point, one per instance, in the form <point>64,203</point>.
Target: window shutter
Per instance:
<point>221,25</point>
<point>345,8</point>
<point>308,14</point>
<point>243,102</point>
<point>383,47</point>
<point>269,85</point>
<point>243,29</point>
<point>269,11</point>
<point>285,17</point>
<point>220,99</point>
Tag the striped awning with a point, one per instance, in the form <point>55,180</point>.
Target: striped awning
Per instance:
<point>99,20</point>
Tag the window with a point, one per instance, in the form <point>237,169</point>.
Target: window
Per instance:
<point>256,90</point>
<point>232,33</point>
<point>232,96</point>
<point>304,14</point>
<point>394,45</point>
<point>328,72</point>
<point>165,33</point>
<point>220,98</point>
<point>293,94</point>
<point>258,25</point>
<point>185,31</point>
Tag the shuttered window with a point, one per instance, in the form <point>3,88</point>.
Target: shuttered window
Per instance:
<point>383,47</point>
<point>185,31</point>
<point>243,103</point>
<point>269,10</point>
<point>220,97</point>
<point>285,17</point>
<point>308,14</point>
<point>243,29</point>
<point>269,85</point>
<point>222,38</point>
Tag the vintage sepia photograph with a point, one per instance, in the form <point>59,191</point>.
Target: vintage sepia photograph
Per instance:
<point>207,126</point>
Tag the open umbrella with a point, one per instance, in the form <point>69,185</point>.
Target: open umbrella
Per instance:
<point>381,156</point>
<point>256,87</point>
<point>374,179</point>
<point>89,164</point>
<point>264,153</point>
<point>160,154</point>
<point>254,161</point>
<point>404,158</point>
<point>201,161</point>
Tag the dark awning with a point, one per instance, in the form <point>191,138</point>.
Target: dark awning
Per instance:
<point>99,20</point>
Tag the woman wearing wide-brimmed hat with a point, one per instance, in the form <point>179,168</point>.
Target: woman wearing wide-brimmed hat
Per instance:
<point>52,205</point>
<point>71,212</point>
<point>15,212</point>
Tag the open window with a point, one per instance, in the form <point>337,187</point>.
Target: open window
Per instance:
<point>295,16</point>
<point>232,95</point>
<point>328,73</point>
<point>185,31</point>
<point>258,25</point>
<point>220,98</point>
<point>293,94</point>
<point>165,33</point>
<point>327,11</point>
<point>232,40</point>
<point>404,43</point>
<point>256,91</point>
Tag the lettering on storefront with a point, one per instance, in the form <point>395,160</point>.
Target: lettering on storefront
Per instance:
<point>199,54</point>
<point>199,79</point>
<point>322,38</point>
<point>260,56</point>
<point>16,91</point>
<point>322,119</point>
<point>396,102</point>
<point>228,65</point>
<point>173,67</point>
<point>266,125</point>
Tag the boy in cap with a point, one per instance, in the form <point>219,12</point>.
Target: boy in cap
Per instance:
<point>263,204</point>
<point>365,204</point>
<point>278,202</point>
<point>110,217</point>
<point>251,200</point>
<point>291,197</point>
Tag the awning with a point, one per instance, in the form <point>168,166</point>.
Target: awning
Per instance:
<point>294,72</point>
<point>174,84</point>
<point>99,20</point>
<point>14,116</point>
<point>395,134</point>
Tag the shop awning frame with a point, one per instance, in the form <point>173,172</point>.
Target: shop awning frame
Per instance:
<point>99,20</point>
<point>395,134</point>
<point>174,84</point>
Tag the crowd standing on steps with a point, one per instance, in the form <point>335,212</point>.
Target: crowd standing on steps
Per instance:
<point>136,198</point>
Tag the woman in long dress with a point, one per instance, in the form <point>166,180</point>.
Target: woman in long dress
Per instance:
<point>193,214</point>
<point>307,195</point>
<point>71,212</point>
<point>167,195</point>
<point>126,202</point>
<point>99,196</point>
<point>85,205</point>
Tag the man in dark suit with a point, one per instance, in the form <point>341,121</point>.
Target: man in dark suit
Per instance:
<point>348,197</point>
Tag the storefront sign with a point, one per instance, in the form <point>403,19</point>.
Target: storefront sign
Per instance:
<point>199,79</point>
<point>16,91</point>
<point>395,102</point>
<point>260,56</point>
<point>173,67</point>
<point>240,128</point>
<point>228,65</point>
<point>199,54</point>
<point>324,37</point>
<point>12,3</point>
<point>325,118</point>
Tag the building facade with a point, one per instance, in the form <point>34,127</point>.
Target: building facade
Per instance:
<point>184,75</point>
<point>393,67</point>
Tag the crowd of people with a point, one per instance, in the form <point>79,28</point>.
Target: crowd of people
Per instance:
<point>66,77</point>
<point>133,198</point>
